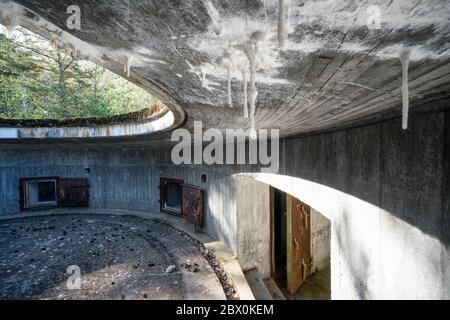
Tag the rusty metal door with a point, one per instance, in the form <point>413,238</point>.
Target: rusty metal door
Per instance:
<point>192,204</point>
<point>73,192</point>
<point>298,243</point>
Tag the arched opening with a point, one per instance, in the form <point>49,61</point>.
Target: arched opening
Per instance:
<point>43,80</point>
<point>283,242</point>
<point>54,85</point>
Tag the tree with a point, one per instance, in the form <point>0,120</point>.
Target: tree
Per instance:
<point>40,80</point>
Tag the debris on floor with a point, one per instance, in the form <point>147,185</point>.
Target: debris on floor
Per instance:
<point>39,257</point>
<point>171,269</point>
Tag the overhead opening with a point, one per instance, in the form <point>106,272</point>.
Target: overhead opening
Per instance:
<point>40,80</point>
<point>48,91</point>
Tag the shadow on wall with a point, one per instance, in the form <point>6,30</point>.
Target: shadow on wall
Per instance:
<point>446,188</point>
<point>353,259</point>
<point>403,172</point>
<point>221,211</point>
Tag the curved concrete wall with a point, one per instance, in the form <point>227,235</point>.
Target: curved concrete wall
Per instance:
<point>385,191</point>
<point>117,61</point>
<point>151,125</point>
<point>124,179</point>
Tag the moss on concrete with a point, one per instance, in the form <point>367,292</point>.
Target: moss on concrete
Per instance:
<point>155,111</point>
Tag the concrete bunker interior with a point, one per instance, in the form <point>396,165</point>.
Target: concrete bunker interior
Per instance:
<point>364,153</point>
<point>293,253</point>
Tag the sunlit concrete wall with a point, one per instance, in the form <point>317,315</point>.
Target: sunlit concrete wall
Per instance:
<point>385,191</point>
<point>253,225</point>
<point>320,241</point>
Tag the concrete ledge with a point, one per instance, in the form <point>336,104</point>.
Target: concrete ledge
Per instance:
<point>257,285</point>
<point>227,260</point>
<point>151,125</point>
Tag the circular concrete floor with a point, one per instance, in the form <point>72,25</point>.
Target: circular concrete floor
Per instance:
<point>119,257</point>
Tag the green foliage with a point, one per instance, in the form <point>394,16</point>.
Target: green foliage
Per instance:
<point>41,81</point>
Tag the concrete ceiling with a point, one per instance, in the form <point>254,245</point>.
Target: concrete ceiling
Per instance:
<point>332,71</point>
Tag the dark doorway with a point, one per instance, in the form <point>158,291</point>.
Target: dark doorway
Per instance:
<point>279,250</point>
<point>300,242</point>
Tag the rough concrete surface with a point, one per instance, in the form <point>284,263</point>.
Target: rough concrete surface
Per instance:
<point>120,257</point>
<point>253,233</point>
<point>317,287</point>
<point>382,189</point>
<point>125,179</point>
<point>332,68</point>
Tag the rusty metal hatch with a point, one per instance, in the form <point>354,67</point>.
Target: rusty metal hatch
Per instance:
<point>73,192</point>
<point>193,204</point>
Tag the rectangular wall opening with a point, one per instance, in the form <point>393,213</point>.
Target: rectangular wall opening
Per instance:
<point>52,192</point>
<point>279,254</point>
<point>39,193</point>
<point>171,195</point>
